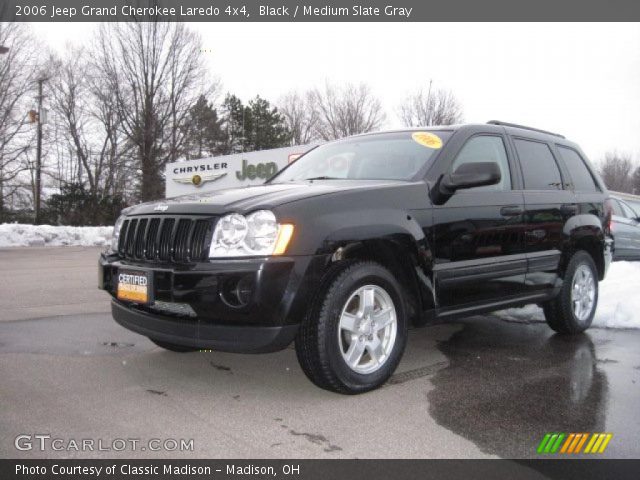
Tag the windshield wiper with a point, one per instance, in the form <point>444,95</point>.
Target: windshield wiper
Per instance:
<point>322,178</point>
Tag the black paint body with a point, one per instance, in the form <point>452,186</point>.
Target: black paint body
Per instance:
<point>478,251</point>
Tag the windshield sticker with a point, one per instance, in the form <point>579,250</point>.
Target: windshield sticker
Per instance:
<point>427,139</point>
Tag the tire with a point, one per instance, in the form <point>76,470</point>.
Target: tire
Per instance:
<point>173,347</point>
<point>361,302</point>
<point>560,313</point>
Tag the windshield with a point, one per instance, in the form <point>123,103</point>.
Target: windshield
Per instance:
<point>386,156</point>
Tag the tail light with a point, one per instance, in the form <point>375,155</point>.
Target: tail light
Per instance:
<point>608,215</point>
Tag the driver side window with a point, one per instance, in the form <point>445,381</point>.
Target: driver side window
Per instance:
<point>486,148</point>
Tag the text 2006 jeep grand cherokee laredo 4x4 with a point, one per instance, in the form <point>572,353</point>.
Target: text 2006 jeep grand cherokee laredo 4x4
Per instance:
<point>359,238</point>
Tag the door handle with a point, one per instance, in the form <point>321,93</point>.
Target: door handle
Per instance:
<point>568,209</point>
<point>510,211</point>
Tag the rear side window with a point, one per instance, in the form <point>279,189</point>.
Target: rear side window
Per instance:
<point>580,174</point>
<point>539,168</point>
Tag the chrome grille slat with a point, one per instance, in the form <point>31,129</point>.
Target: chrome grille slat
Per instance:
<point>131,236</point>
<point>138,248</point>
<point>150,240</point>
<point>165,238</point>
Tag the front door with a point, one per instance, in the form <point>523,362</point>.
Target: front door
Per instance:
<point>478,235</point>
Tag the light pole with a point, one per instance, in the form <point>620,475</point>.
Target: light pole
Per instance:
<point>3,50</point>
<point>39,152</point>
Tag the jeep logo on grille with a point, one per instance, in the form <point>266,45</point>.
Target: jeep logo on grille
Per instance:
<point>161,208</point>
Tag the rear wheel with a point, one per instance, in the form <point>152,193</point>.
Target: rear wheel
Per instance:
<point>173,347</point>
<point>572,311</point>
<point>354,334</point>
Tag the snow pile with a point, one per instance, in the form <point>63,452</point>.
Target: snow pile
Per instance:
<point>618,302</point>
<point>20,235</point>
<point>619,297</point>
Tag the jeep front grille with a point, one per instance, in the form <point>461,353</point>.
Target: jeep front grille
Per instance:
<point>180,239</point>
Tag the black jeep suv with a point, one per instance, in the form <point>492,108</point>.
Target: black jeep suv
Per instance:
<point>360,238</point>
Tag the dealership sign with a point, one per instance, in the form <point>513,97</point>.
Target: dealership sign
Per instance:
<point>227,171</point>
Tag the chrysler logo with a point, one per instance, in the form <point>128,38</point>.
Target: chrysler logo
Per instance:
<point>199,179</point>
<point>161,208</point>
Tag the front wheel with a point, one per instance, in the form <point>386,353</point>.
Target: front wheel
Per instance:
<point>354,334</point>
<point>572,311</point>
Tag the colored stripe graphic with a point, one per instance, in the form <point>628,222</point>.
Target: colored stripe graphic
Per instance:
<point>582,440</point>
<point>603,447</point>
<point>568,442</point>
<point>572,443</point>
<point>594,437</point>
<point>556,445</point>
<point>543,443</point>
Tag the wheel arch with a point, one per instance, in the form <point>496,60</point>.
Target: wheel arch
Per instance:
<point>585,232</point>
<point>405,258</point>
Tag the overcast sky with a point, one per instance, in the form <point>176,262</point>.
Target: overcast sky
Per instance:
<point>581,80</point>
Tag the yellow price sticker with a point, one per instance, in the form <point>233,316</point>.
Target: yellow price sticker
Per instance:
<point>427,139</point>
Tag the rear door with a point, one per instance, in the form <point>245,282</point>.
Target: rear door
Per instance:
<point>478,243</point>
<point>549,203</point>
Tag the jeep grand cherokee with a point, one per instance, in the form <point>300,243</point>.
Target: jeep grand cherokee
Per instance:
<point>345,248</point>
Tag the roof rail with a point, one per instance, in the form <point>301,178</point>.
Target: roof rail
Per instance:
<point>515,125</point>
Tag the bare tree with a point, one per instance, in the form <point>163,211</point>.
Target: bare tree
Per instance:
<point>346,111</point>
<point>156,73</point>
<point>615,170</point>
<point>636,181</point>
<point>92,149</point>
<point>436,107</point>
<point>301,116</point>
<point>19,68</point>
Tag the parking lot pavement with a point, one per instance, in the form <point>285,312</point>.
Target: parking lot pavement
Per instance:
<point>480,387</point>
<point>47,281</point>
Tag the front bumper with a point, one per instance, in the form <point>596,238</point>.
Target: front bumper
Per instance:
<point>225,338</point>
<point>194,305</point>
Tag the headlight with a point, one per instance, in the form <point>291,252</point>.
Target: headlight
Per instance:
<point>116,233</point>
<point>256,234</point>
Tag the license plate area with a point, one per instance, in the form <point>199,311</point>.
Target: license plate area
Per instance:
<point>135,285</point>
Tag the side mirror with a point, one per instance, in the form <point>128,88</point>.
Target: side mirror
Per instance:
<point>467,175</point>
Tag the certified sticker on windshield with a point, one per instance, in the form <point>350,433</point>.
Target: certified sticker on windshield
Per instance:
<point>427,139</point>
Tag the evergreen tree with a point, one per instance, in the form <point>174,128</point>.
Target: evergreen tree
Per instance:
<point>257,126</point>
<point>266,126</point>
<point>236,117</point>
<point>204,136</point>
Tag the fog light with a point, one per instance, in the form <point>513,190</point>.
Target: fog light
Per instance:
<point>237,292</point>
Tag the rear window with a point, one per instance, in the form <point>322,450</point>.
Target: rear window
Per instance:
<point>385,156</point>
<point>580,174</point>
<point>539,168</point>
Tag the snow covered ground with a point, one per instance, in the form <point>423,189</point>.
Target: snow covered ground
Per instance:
<point>618,305</point>
<point>20,235</point>
<point>618,302</point>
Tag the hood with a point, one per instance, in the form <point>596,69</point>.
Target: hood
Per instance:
<point>247,199</point>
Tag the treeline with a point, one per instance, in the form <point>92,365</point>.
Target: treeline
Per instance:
<point>620,173</point>
<point>115,110</point>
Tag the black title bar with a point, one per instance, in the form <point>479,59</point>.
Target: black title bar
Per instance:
<point>583,469</point>
<point>317,10</point>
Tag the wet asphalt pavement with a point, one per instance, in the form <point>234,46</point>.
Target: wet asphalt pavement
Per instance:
<point>479,387</point>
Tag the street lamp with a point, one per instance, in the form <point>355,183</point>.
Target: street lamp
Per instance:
<point>3,49</point>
